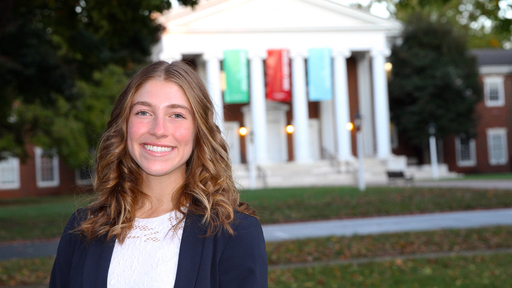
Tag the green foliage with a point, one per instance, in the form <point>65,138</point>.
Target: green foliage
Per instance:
<point>50,55</point>
<point>434,80</point>
<point>487,23</point>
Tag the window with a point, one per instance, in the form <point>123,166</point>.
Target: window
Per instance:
<point>10,173</point>
<point>83,176</point>
<point>465,151</point>
<point>494,91</point>
<point>47,168</point>
<point>497,148</point>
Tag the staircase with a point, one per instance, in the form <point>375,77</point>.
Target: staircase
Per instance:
<point>319,173</point>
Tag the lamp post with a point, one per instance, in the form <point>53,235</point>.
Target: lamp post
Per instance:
<point>433,150</point>
<point>359,139</point>
<point>250,159</point>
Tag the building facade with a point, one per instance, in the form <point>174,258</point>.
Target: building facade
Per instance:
<point>358,43</point>
<point>490,151</point>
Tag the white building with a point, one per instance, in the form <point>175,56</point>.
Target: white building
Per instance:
<point>323,149</point>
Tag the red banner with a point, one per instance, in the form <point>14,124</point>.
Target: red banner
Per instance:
<point>277,72</point>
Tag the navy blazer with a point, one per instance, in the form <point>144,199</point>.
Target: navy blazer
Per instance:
<point>221,260</point>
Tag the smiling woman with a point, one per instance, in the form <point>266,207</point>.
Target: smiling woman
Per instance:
<point>167,212</point>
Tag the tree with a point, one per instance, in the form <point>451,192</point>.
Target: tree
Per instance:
<point>487,23</point>
<point>434,80</point>
<point>50,52</point>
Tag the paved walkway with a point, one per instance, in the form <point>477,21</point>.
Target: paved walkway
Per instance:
<point>349,227</point>
<point>471,184</point>
<point>389,224</point>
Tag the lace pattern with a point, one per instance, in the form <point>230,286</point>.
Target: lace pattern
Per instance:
<point>149,255</point>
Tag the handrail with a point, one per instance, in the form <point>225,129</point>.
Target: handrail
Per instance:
<point>262,175</point>
<point>332,160</point>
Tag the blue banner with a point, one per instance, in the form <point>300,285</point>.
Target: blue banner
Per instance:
<point>319,74</point>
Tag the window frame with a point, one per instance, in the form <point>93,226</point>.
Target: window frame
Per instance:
<point>38,154</point>
<point>15,162</point>
<point>490,133</point>
<point>472,152</point>
<point>500,81</point>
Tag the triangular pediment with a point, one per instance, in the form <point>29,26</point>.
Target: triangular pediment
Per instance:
<point>224,16</point>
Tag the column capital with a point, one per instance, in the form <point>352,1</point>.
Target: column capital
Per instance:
<point>345,53</point>
<point>299,53</point>
<point>169,57</point>
<point>213,55</point>
<point>257,54</point>
<point>380,52</point>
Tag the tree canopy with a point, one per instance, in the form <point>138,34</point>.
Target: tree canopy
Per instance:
<point>487,23</point>
<point>56,56</point>
<point>434,80</point>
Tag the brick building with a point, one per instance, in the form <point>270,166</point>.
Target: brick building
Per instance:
<point>490,151</point>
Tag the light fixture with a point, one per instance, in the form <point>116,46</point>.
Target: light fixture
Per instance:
<point>350,126</point>
<point>243,131</point>
<point>290,129</point>
<point>388,66</point>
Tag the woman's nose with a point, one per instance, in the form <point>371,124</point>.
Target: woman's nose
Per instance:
<point>158,128</point>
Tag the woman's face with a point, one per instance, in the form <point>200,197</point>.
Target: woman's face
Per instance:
<point>161,129</point>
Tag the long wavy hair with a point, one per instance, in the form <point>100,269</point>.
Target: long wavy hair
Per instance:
<point>208,189</point>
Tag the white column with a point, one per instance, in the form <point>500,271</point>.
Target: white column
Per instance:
<point>214,86</point>
<point>381,104</point>
<point>301,149</point>
<point>258,106</point>
<point>341,105</point>
<point>170,56</point>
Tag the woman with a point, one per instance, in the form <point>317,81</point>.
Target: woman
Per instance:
<point>167,213</point>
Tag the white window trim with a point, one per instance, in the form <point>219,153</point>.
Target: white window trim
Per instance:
<point>472,152</point>
<point>500,80</point>
<point>15,162</point>
<point>503,132</point>
<point>80,181</point>
<point>38,151</point>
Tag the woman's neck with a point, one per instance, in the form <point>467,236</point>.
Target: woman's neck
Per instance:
<point>161,190</point>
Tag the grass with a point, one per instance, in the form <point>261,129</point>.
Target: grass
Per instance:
<point>304,204</point>
<point>461,271</point>
<point>491,176</point>
<point>35,218</point>
<point>395,244</point>
<point>25,271</point>
<point>45,217</point>
<point>388,274</point>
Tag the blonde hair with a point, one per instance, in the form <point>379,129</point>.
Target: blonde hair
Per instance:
<point>208,189</point>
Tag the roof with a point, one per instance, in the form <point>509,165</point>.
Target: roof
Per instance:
<point>493,56</point>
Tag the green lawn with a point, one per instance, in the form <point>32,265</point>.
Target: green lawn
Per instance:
<point>386,245</point>
<point>490,176</point>
<point>469,272</point>
<point>396,273</point>
<point>45,217</point>
<point>35,218</point>
<point>303,204</point>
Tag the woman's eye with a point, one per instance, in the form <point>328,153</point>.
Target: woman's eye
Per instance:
<point>142,113</point>
<point>178,116</point>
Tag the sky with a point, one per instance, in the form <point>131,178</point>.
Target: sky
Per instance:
<point>378,9</point>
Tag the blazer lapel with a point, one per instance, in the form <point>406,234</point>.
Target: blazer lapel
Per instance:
<point>191,250</point>
<point>97,262</point>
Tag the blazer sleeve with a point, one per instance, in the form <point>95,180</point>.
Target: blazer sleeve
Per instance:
<point>244,259</point>
<point>61,271</point>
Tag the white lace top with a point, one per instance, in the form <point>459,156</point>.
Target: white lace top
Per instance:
<point>149,255</point>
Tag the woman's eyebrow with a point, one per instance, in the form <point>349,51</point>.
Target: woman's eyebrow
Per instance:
<point>171,106</point>
<point>179,106</point>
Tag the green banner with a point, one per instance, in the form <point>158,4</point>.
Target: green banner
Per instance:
<point>236,69</point>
